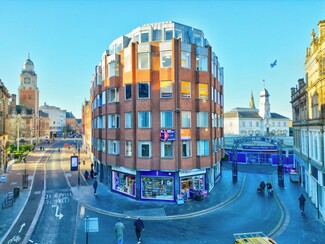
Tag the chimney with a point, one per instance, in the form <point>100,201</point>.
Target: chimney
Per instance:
<point>321,29</point>
<point>301,83</point>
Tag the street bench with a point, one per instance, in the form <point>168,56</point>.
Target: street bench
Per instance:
<point>9,200</point>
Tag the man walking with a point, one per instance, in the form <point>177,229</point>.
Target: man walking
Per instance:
<point>95,184</point>
<point>139,226</point>
<point>118,229</point>
<point>302,201</point>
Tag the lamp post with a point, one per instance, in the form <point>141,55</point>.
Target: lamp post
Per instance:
<point>18,125</point>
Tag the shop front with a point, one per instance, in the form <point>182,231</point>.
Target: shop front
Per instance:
<point>123,181</point>
<point>157,185</point>
<point>193,182</point>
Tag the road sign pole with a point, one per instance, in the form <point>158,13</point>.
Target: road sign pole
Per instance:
<point>87,230</point>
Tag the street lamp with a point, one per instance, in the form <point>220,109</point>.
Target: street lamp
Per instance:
<point>18,125</point>
<point>78,165</point>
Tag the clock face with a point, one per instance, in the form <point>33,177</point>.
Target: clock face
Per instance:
<point>27,80</point>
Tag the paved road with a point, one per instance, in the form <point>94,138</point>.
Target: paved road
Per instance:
<point>230,208</point>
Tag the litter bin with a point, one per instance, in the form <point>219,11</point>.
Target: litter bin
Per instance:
<point>16,191</point>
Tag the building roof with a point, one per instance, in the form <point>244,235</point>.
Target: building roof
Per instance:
<point>69,115</point>
<point>278,116</point>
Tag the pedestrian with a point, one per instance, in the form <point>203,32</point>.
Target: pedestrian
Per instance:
<point>118,229</point>
<point>92,173</point>
<point>86,174</point>
<point>302,201</point>
<point>139,226</point>
<point>95,184</point>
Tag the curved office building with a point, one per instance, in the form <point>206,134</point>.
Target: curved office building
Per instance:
<point>157,113</point>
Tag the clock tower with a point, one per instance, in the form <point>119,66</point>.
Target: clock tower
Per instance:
<point>28,90</point>
<point>265,110</point>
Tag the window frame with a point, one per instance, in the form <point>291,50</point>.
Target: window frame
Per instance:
<point>148,87</point>
<point>142,143</point>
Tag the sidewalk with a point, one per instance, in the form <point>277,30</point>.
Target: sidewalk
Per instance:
<point>115,204</point>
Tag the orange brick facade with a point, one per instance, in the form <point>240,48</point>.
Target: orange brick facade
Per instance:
<point>177,170</point>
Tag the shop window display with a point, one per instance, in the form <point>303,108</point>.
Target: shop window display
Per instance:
<point>124,183</point>
<point>161,188</point>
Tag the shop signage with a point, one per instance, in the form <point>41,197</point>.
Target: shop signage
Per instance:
<point>260,147</point>
<point>185,134</point>
<point>191,172</point>
<point>167,135</point>
<point>74,163</point>
<point>124,170</point>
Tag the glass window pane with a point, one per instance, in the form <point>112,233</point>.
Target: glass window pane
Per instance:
<point>186,119</point>
<point>168,34</point>
<point>186,60</point>
<point>143,60</point>
<point>186,89</point>
<point>143,90</point>
<point>166,89</point>
<point>144,37</point>
<point>128,91</point>
<point>128,120</point>
<point>166,119</point>
<point>166,59</point>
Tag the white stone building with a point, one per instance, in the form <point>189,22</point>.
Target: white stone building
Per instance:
<point>253,121</point>
<point>57,119</point>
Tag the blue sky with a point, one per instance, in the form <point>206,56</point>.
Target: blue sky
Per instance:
<point>66,39</point>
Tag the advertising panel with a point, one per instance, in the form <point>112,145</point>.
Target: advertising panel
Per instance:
<point>167,135</point>
<point>74,163</point>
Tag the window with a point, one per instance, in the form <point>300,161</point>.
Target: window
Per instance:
<point>113,95</point>
<point>113,147</point>
<point>103,145</point>
<point>143,60</point>
<point>202,91</point>
<point>166,119</point>
<point>113,121</point>
<point>165,59</point>
<point>113,69</point>
<point>143,90</point>
<point>186,119</point>
<point>214,120</point>
<point>203,148</point>
<point>103,97</point>
<point>178,33</point>
<point>127,63</point>
<point>144,37</point>
<point>144,119</point>
<point>166,89</point>
<point>136,38</point>
<point>128,148</point>
<point>128,120</point>
<point>167,149</point>
<point>198,40</point>
<point>186,149</point>
<point>128,91</point>
<point>250,123</point>
<point>257,124</point>
<point>144,149</point>
<point>186,60</point>
<point>243,124</point>
<point>279,124</point>
<point>202,63</point>
<point>168,34</point>
<point>202,119</point>
<point>186,89</point>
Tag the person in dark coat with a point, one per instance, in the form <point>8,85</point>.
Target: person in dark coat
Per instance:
<point>86,174</point>
<point>95,184</point>
<point>139,226</point>
<point>302,201</point>
<point>92,173</point>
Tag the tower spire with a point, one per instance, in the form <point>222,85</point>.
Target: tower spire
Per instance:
<point>251,102</point>
<point>28,55</point>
